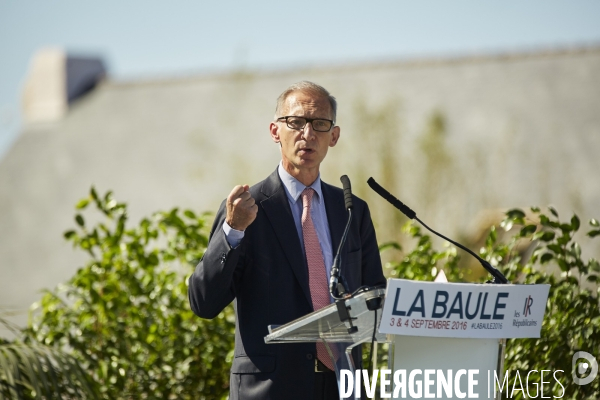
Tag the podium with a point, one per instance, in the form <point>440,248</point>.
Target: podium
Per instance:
<point>446,340</point>
<point>341,326</point>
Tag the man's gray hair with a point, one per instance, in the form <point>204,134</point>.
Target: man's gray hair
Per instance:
<point>309,87</point>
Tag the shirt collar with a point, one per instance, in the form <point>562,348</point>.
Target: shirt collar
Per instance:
<point>294,188</point>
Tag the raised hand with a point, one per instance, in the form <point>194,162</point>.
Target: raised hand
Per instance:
<point>241,208</point>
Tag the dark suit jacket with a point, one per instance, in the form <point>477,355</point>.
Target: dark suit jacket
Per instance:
<point>267,278</point>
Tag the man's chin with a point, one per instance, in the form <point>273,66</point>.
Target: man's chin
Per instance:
<point>305,161</point>
<point>308,162</point>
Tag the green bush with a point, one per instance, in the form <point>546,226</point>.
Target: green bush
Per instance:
<point>541,251</point>
<point>125,314</point>
<point>572,319</point>
<point>34,371</point>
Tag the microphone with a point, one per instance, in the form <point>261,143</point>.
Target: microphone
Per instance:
<point>394,201</point>
<point>337,261</point>
<point>347,191</point>
<point>498,276</point>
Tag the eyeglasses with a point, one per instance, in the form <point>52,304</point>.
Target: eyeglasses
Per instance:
<point>318,124</point>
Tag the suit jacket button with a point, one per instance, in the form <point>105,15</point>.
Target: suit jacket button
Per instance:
<point>223,258</point>
<point>309,356</point>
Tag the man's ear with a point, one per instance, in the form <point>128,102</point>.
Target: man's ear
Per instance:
<point>335,136</point>
<point>274,129</point>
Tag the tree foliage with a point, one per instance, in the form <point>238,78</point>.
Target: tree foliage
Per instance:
<point>125,314</point>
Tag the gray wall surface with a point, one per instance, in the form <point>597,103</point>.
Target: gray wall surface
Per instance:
<point>458,140</point>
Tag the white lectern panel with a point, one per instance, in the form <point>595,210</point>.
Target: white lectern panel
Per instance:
<point>411,352</point>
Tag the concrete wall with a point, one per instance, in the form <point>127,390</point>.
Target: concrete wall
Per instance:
<point>451,138</point>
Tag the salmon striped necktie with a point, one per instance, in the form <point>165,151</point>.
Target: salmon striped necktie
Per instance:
<point>317,278</point>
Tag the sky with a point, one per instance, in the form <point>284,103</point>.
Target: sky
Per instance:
<point>158,38</point>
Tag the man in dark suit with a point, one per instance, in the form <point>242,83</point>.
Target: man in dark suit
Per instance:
<point>271,249</point>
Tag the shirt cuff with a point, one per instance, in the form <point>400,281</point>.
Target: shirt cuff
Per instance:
<point>233,236</point>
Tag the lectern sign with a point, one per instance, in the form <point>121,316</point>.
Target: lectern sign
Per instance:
<point>463,310</point>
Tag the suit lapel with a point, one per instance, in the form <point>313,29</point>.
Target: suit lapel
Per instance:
<point>336,215</point>
<point>279,214</point>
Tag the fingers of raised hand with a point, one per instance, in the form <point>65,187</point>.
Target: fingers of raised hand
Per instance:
<point>236,192</point>
<point>241,208</point>
<point>243,199</point>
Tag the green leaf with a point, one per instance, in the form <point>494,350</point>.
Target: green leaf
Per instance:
<point>553,211</point>
<point>556,248</point>
<point>390,245</point>
<point>572,280</point>
<point>94,194</point>
<point>515,213</point>
<point>564,239</point>
<point>83,203</point>
<point>535,209</point>
<point>79,220</point>
<point>544,236</point>
<point>507,224</point>
<point>190,214</point>
<point>153,259</point>
<point>575,223</point>
<point>565,228</point>
<point>594,222</point>
<point>492,237</point>
<point>546,257</point>
<point>69,234</point>
<point>576,250</point>
<point>593,233</point>
<point>527,230</point>
<point>563,265</point>
<point>545,221</point>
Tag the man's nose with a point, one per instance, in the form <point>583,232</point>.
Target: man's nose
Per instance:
<point>308,132</point>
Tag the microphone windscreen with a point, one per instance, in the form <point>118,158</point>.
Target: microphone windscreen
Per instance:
<point>347,191</point>
<point>394,201</point>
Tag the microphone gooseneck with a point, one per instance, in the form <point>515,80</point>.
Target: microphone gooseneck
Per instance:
<point>337,261</point>
<point>498,276</point>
